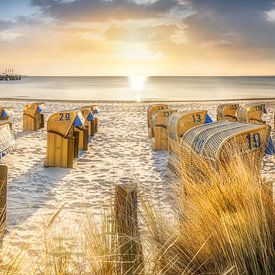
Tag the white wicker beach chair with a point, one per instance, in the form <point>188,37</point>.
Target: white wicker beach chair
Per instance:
<point>218,143</point>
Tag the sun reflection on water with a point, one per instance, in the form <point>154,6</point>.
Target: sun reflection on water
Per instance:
<point>137,85</point>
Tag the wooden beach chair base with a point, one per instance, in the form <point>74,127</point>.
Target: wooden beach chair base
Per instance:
<point>160,141</point>
<point>61,152</point>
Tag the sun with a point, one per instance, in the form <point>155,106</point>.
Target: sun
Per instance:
<point>137,83</point>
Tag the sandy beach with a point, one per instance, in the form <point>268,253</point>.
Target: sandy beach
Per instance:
<point>120,149</point>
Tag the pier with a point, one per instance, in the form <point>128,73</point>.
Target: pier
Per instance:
<point>9,75</point>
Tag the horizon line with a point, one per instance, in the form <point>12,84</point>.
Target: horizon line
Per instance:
<point>265,75</point>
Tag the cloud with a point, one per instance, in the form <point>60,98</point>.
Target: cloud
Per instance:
<point>231,24</point>
<point>106,10</point>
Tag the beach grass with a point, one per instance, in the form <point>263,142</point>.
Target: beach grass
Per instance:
<point>223,224</point>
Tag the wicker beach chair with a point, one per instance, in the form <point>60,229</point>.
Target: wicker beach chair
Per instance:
<point>219,143</point>
<point>251,113</point>
<point>33,119</point>
<point>63,138</point>
<point>227,112</point>
<point>159,127</point>
<point>91,120</point>
<point>150,111</point>
<point>178,124</point>
<point>5,115</point>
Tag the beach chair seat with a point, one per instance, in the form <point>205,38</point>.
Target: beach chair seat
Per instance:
<point>151,109</point>
<point>159,127</point>
<point>227,112</point>
<point>219,143</point>
<point>251,113</point>
<point>178,124</point>
<point>63,138</point>
<point>33,119</point>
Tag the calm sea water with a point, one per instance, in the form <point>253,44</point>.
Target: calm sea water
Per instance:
<point>139,88</point>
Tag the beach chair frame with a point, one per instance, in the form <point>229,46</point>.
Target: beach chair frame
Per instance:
<point>150,111</point>
<point>159,127</point>
<point>178,124</point>
<point>32,119</point>
<point>62,140</point>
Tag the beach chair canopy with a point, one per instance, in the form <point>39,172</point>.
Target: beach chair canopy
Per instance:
<point>160,117</point>
<point>87,114</point>
<point>227,111</point>
<point>93,108</point>
<point>63,122</point>
<point>218,141</point>
<point>6,112</point>
<point>32,109</point>
<point>180,122</point>
<point>7,141</point>
<point>251,113</point>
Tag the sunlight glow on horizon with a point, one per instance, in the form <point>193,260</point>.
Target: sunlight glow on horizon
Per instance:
<point>136,37</point>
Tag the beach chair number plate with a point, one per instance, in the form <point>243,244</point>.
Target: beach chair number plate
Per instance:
<point>255,141</point>
<point>63,117</point>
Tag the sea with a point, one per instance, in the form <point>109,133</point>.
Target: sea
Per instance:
<point>139,88</point>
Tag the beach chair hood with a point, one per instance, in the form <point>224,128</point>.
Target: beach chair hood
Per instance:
<point>62,122</point>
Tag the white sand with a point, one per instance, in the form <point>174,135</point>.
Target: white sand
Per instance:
<point>121,148</point>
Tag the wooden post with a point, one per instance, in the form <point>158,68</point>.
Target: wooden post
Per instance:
<point>3,197</point>
<point>126,220</point>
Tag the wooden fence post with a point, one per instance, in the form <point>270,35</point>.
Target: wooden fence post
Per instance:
<point>126,220</point>
<point>3,197</point>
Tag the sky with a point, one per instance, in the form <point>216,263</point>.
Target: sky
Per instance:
<point>138,37</point>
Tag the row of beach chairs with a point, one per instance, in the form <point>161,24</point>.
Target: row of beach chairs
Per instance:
<point>68,132</point>
<point>191,134</point>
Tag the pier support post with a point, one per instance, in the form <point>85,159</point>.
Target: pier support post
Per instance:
<point>126,220</point>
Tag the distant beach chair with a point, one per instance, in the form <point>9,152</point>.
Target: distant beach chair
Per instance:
<point>151,109</point>
<point>219,143</point>
<point>33,119</point>
<point>63,138</point>
<point>251,113</point>
<point>227,112</point>
<point>178,124</point>
<point>159,128</point>
<point>91,120</point>
<point>5,115</point>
